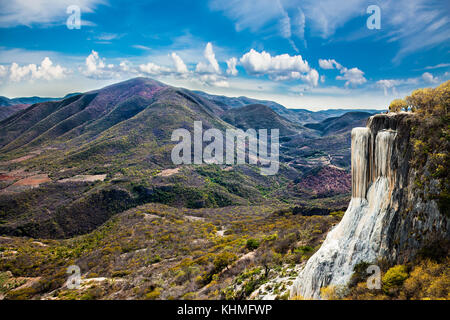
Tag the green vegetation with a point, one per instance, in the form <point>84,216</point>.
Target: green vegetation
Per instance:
<point>428,275</point>
<point>394,278</point>
<point>165,252</point>
<point>430,138</point>
<point>252,244</point>
<point>398,105</point>
<point>422,279</point>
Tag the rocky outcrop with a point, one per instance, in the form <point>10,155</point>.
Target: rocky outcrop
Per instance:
<point>388,217</point>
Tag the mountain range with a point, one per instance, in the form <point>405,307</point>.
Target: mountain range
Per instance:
<point>88,180</point>
<point>10,106</point>
<point>68,165</point>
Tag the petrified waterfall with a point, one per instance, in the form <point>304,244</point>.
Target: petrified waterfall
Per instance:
<point>360,163</point>
<point>358,237</point>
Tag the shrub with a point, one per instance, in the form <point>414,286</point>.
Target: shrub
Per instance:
<point>223,259</point>
<point>339,214</point>
<point>359,273</point>
<point>252,244</point>
<point>394,278</point>
<point>154,294</point>
<point>428,280</point>
<point>21,294</point>
<point>304,249</point>
<point>120,273</point>
<point>333,292</point>
<point>397,105</point>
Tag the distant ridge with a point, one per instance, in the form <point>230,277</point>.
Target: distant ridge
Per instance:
<point>259,116</point>
<point>300,115</point>
<point>4,101</point>
<point>340,124</point>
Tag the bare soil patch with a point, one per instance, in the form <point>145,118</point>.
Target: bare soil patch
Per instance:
<point>168,172</point>
<point>33,181</point>
<point>84,178</point>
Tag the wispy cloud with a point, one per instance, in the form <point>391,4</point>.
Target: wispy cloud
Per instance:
<point>414,24</point>
<point>141,47</point>
<point>417,24</point>
<point>42,12</point>
<point>258,16</point>
<point>438,66</point>
<point>392,85</point>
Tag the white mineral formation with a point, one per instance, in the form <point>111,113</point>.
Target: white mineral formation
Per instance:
<point>358,236</point>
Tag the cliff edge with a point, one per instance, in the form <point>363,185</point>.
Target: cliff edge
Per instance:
<point>395,210</point>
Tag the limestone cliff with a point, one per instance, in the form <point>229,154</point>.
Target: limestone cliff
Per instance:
<point>388,217</point>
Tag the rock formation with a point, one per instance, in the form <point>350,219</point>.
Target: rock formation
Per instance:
<point>387,218</point>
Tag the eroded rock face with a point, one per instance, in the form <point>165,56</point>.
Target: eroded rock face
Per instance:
<point>387,217</point>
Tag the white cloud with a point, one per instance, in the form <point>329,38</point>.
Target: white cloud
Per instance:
<point>46,71</point>
<point>213,80</point>
<point>352,77</point>
<point>255,62</point>
<point>387,84</point>
<point>17,72</point>
<point>211,57</point>
<point>329,64</point>
<point>429,78</point>
<point>213,65</point>
<point>311,78</point>
<point>42,12</point>
<point>126,66</point>
<point>96,67</point>
<point>180,66</point>
<point>280,67</point>
<point>3,71</point>
<point>153,69</point>
<point>231,64</point>
<point>94,63</point>
<point>393,84</point>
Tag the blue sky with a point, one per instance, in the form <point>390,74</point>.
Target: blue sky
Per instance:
<point>314,54</point>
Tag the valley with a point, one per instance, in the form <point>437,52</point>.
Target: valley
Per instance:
<point>224,159</point>
<point>93,172</point>
<point>88,181</point>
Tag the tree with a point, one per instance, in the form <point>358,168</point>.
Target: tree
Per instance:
<point>421,100</point>
<point>427,101</point>
<point>267,258</point>
<point>252,244</point>
<point>224,259</point>
<point>394,278</point>
<point>397,105</point>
